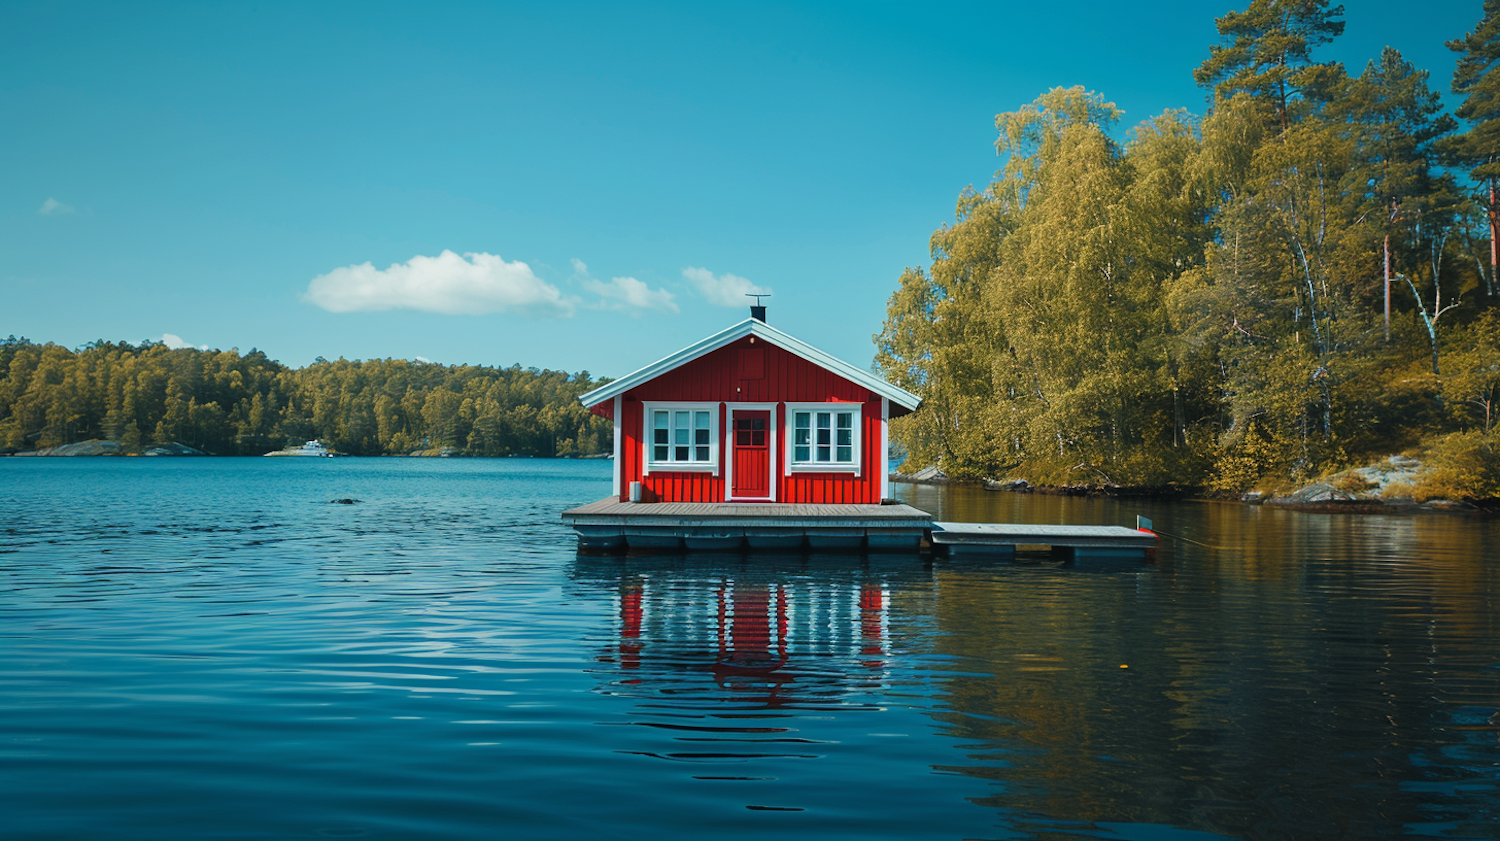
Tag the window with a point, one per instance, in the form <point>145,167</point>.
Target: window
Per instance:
<point>824,437</point>
<point>749,432</point>
<point>682,437</point>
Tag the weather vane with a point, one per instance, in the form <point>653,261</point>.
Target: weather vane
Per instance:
<point>757,296</point>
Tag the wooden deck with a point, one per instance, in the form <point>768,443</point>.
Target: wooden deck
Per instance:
<point>610,511</point>
<point>611,525</point>
<point>664,526</point>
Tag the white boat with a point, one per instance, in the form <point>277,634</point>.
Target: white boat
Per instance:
<point>312,449</point>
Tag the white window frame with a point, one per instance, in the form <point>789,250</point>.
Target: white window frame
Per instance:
<point>771,429</point>
<point>857,424</point>
<point>619,463</point>
<point>884,457</point>
<point>715,447</point>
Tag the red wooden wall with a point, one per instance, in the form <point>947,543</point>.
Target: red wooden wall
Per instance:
<point>726,376</point>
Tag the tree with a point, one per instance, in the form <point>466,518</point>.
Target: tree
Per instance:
<point>1398,118</point>
<point>1473,383</point>
<point>1266,51</point>
<point>1478,149</point>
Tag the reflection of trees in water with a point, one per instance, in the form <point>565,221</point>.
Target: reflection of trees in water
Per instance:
<point>1303,676</point>
<point>1329,682</point>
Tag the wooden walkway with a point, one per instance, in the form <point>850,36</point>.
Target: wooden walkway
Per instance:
<point>611,525</point>
<point>1003,538</point>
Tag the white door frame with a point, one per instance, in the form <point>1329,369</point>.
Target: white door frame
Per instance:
<point>772,427</point>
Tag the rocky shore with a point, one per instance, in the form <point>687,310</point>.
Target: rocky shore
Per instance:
<point>1382,488</point>
<point>104,448</point>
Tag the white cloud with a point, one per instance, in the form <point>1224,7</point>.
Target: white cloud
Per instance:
<point>53,207</point>
<point>628,293</point>
<point>423,359</point>
<point>726,290</point>
<point>623,293</point>
<point>176,342</point>
<point>473,284</point>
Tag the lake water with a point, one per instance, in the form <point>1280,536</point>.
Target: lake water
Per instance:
<point>210,649</point>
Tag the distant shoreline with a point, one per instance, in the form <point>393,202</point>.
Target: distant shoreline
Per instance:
<point>184,451</point>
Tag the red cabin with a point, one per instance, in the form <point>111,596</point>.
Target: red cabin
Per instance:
<point>751,414</point>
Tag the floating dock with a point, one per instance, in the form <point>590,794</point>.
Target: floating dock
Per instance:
<point>1003,539</point>
<point>609,525</point>
<point>613,526</point>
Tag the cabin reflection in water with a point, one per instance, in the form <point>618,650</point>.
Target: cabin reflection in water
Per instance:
<point>753,633</point>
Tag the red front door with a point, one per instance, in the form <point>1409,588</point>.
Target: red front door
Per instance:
<point>752,455</point>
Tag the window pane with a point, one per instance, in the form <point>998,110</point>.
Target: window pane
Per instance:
<point>825,436</point>
<point>801,453</point>
<point>846,437</point>
<point>682,436</point>
<point>802,420</point>
<point>846,420</point>
<point>823,453</point>
<point>846,454</point>
<point>802,436</point>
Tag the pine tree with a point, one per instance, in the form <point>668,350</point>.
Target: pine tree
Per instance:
<point>1399,119</point>
<point>1478,149</point>
<point>1266,51</point>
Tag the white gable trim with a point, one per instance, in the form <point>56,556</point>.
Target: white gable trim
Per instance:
<point>753,327</point>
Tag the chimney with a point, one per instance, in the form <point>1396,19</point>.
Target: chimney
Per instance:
<point>757,309</point>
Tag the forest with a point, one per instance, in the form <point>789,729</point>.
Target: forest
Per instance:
<point>1301,280</point>
<point>225,403</point>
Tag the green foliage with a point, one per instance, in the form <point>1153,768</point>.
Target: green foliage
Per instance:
<point>228,404</point>
<point>1472,383</point>
<point>1204,304</point>
<point>1465,465</point>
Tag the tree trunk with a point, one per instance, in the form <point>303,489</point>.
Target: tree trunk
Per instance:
<point>1387,287</point>
<point>1177,424</point>
<point>1494,238</point>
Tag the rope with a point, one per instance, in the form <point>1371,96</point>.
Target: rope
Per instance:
<point>1185,539</point>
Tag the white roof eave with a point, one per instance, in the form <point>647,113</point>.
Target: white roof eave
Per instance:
<point>752,327</point>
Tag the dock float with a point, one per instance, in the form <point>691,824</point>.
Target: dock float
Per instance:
<point>994,539</point>
<point>610,525</point>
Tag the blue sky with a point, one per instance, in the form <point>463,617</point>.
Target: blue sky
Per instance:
<point>222,173</point>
